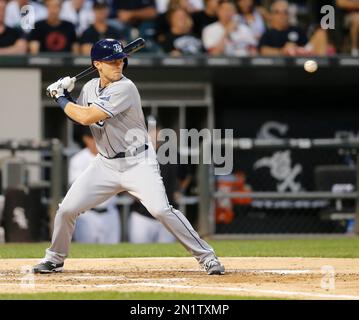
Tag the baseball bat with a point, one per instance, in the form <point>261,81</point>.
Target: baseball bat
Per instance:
<point>130,48</point>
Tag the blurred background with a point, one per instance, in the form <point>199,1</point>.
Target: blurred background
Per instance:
<point>207,64</point>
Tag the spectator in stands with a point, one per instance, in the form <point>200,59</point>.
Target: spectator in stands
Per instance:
<point>227,36</point>
<point>138,20</point>
<point>162,24</point>
<point>102,223</point>
<point>284,39</point>
<point>205,17</point>
<point>351,21</point>
<point>11,39</point>
<point>79,13</point>
<point>13,16</point>
<point>180,40</point>
<point>134,12</point>
<point>100,29</point>
<point>53,34</point>
<point>249,15</point>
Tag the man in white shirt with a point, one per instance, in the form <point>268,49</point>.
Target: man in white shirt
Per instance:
<point>227,36</point>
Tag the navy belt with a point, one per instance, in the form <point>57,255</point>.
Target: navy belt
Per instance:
<point>138,150</point>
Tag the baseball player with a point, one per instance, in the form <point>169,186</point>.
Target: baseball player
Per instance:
<point>111,106</point>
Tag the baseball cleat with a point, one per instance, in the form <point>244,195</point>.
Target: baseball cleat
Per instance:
<point>48,267</point>
<point>213,266</point>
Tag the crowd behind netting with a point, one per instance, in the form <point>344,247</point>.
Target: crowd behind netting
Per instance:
<point>181,27</point>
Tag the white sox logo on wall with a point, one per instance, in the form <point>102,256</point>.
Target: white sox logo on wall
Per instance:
<point>280,163</point>
<point>270,130</point>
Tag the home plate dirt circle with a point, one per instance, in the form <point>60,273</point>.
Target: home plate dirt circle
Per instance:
<point>298,278</point>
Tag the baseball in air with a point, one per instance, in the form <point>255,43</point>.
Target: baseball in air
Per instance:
<point>310,66</point>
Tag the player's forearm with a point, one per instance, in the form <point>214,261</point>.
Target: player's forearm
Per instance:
<point>78,113</point>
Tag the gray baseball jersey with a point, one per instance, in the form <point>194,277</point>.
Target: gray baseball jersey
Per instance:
<point>125,128</point>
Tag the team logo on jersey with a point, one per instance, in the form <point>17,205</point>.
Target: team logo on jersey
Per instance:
<point>117,48</point>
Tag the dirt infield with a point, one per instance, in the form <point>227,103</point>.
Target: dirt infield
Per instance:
<point>299,278</point>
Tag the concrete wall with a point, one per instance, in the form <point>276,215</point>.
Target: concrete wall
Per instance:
<point>20,110</point>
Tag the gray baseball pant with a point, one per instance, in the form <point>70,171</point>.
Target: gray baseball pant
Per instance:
<point>140,176</point>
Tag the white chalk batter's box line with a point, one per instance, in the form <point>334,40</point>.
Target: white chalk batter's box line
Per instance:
<point>124,278</point>
<point>245,271</point>
<point>262,292</point>
<point>89,276</point>
<point>270,271</point>
<point>228,271</point>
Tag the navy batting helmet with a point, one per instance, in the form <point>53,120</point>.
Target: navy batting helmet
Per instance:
<point>107,50</point>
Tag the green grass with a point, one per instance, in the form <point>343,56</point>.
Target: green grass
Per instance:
<point>326,248</point>
<point>112,295</point>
